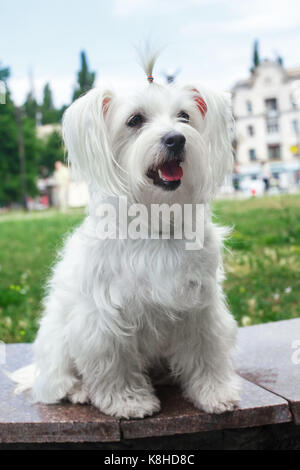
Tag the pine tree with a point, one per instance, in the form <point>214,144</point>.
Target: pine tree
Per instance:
<point>31,107</point>
<point>49,114</point>
<point>85,78</point>
<point>256,58</point>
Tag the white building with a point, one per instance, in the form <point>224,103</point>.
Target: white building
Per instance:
<point>266,108</point>
<point>44,131</point>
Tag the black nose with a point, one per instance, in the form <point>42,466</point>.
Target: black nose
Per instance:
<point>174,141</point>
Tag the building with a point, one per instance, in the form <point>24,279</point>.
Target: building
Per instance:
<point>44,131</point>
<point>266,108</point>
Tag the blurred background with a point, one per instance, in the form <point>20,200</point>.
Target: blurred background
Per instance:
<point>52,52</point>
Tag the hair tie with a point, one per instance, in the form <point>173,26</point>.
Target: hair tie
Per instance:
<point>150,78</point>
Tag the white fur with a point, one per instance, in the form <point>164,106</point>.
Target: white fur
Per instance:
<point>116,308</point>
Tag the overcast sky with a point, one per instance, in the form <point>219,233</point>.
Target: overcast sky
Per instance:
<point>209,40</point>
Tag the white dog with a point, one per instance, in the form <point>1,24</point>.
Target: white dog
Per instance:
<point>118,307</point>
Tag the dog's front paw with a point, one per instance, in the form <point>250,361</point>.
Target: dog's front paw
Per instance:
<point>130,405</point>
<point>78,394</point>
<point>216,398</point>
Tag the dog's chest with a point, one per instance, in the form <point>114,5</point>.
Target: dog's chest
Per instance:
<point>162,273</point>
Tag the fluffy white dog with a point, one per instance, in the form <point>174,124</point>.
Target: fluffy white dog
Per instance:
<point>118,307</point>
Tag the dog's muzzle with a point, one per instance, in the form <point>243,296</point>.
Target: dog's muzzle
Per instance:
<point>168,173</point>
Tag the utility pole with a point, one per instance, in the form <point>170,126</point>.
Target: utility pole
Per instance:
<point>22,157</point>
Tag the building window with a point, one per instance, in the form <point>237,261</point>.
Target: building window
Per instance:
<point>250,130</point>
<point>271,105</point>
<point>252,155</point>
<point>272,126</point>
<point>274,152</point>
<point>293,101</point>
<point>295,126</point>
<point>249,107</point>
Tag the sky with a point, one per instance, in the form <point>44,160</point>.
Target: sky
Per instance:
<point>207,40</point>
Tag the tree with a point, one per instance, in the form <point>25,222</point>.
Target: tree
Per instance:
<point>31,107</point>
<point>256,58</point>
<point>49,114</point>
<point>62,110</point>
<point>11,188</point>
<point>51,152</point>
<point>85,78</point>
<point>4,73</point>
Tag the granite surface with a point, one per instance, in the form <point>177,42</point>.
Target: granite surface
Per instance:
<point>257,407</point>
<point>269,356</point>
<point>23,421</point>
<point>270,396</point>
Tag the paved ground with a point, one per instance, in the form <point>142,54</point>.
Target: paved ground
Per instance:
<point>268,362</point>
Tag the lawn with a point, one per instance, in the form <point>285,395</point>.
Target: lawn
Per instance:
<point>263,257</point>
<point>28,246</point>
<point>262,261</point>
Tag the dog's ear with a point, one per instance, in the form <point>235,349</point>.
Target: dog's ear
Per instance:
<point>215,109</point>
<point>199,101</point>
<point>87,142</point>
<point>219,131</point>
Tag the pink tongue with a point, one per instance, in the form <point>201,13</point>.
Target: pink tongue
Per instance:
<point>171,171</point>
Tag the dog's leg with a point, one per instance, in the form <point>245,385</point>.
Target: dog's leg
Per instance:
<point>56,375</point>
<point>201,358</point>
<point>112,369</point>
<point>114,379</point>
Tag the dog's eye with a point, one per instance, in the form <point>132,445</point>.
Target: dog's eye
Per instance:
<point>183,116</point>
<point>136,120</point>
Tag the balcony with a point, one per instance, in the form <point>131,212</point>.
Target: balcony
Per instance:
<point>273,138</point>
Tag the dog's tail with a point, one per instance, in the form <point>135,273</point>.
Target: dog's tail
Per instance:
<point>24,378</point>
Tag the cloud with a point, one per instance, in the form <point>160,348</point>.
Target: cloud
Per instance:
<point>129,7</point>
<point>62,88</point>
<point>253,17</point>
<point>269,15</point>
<point>218,49</point>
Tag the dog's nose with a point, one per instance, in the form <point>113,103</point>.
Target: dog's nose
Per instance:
<point>174,141</point>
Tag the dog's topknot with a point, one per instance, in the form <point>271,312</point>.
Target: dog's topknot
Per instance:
<point>147,58</point>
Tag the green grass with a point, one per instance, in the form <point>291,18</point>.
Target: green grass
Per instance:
<point>263,257</point>
<point>262,261</point>
<point>28,246</point>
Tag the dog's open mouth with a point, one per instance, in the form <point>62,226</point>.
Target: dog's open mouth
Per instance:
<point>167,175</point>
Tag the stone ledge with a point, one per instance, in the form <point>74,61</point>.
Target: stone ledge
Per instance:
<point>257,407</point>
<point>271,437</point>
<point>265,359</point>
<point>270,396</point>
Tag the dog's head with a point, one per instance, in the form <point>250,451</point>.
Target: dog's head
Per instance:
<point>163,144</point>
